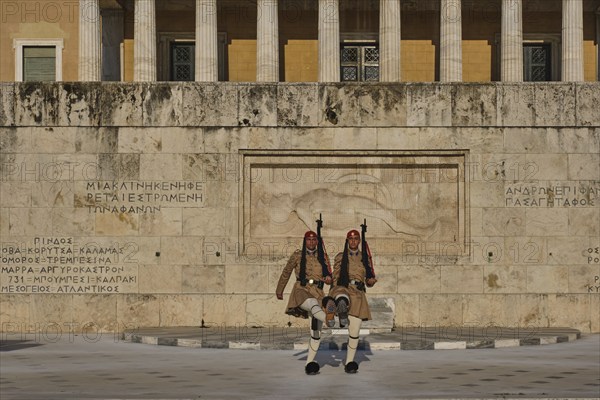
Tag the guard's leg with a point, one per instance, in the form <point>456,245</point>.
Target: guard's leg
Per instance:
<point>314,309</point>
<point>343,304</point>
<point>353,332</point>
<point>312,367</point>
<point>330,308</point>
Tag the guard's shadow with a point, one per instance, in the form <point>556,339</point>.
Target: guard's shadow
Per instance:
<point>334,354</point>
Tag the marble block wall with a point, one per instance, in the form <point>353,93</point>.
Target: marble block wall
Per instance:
<point>127,205</point>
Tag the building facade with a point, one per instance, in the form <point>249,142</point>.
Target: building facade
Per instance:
<point>174,194</point>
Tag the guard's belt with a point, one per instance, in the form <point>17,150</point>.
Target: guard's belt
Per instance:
<point>320,284</point>
<point>359,284</point>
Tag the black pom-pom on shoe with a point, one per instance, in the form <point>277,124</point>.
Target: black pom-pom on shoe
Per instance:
<point>312,368</point>
<point>351,367</point>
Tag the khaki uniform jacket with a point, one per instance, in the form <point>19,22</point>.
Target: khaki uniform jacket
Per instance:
<point>359,307</point>
<point>300,293</point>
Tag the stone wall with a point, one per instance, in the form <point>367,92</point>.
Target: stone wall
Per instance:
<point>128,205</point>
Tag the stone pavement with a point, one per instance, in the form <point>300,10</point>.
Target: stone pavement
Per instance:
<point>106,367</point>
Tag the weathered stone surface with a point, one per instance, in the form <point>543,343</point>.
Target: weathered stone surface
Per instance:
<point>29,222</point>
<point>183,140</point>
<point>297,105</point>
<point>7,104</point>
<point>584,167</point>
<point>79,104</point>
<point>203,279</point>
<point>181,310</point>
<point>225,310</point>
<point>96,140</point>
<point>36,104</point>
<point>112,166</point>
<point>168,222</point>
<point>257,105</point>
<point>587,101</point>
<point>419,279</point>
<point>584,278</point>
<point>137,310</point>
<point>547,279</point>
<point>429,105</point>
<point>121,104</point>
<point>339,105</point>
<point>14,312</point>
<point>382,105</point>
<point>442,310</point>
<point>503,222</point>
<point>474,105</point>
<point>504,279</point>
<point>461,279</point>
<point>162,104</point>
<point>491,312</point>
<point>570,310</point>
<point>20,194</point>
<point>14,140</point>
<point>555,104</point>
<point>95,313</point>
<point>516,104</point>
<point>160,279</point>
<point>161,167</point>
<point>382,312</point>
<point>210,104</point>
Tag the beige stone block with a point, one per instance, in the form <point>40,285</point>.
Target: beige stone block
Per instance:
<point>569,310</point>
<point>569,250</point>
<point>504,279</point>
<point>221,194</point>
<point>14,312</point>
<point>547,221</point>
<point>355,138</point>
<point>588,98</point>
<point>186,250</point>
<point>487,250</point>
<point>121,104</point>
<point>225,140</point>
<point>310,138</point>
<point>51,311</point>
<point>516,104</point>
<point>584,166</point>
<point>181,310</point>
<point>387,279</point>
<point>20,194</point>
<point>265,310</point>
<point>419,279</point>
<point>594,314</point>
<point>397,138</point>
<point>491,312</point>
<point>162,104</point>
<point>161,167</point>
<point>339,105</point>
<point>533,311</point>
<point>547,279</point>
<point>584,222</point>
<point>486,194</point>
<point>140,140</point>
<point>53,194</point>
<point>267,138</point>
<point>29,221</point>
<point>585,278</point>
<point>474,105</point>
<point>113,166</point>
<point>440,309</point>
<point>225,310</point>
<point>14,140</point>
<point>203,279</point>
<point>555,104</point>
<point>291,112</point>
<point>569,140</point>
<point>167,222</point>
<point>138,310</point>
<point>72,221</point>
<point>525,250</point>
<point>476,219</point>
<point>501,166</point>
<point>407,310</point>
<point>96,140</point>
<point>461,279</point>
<point>71,167</point>
<point>79,104</point>
<point>4,222</point>
<point>246,279</point>
<point>429,104</point>
<point>95,313</point>
<point>527,140</point>
<point>503,222</point>
<point>121,224</point>
<point>548,166</point>
<point>160,278</point>
<point>183,140</point>
<point>480,140</point>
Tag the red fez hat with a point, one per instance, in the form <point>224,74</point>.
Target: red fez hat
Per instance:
<point>310,234</point>
<point>351,233</point>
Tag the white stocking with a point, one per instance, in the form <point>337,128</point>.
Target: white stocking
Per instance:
<point>314,309</point>
<point>314,342</point>
<point>353,332</point>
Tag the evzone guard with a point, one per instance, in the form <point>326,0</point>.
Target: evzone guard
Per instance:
<point>307,299</point>
<point>352,273</point>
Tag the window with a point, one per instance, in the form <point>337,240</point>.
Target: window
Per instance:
<point>38,59</point>
<point>537,62</point>
<point>182,61</point>
<point>359,63</point>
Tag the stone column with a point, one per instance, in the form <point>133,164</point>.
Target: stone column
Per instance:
<point>572,40</point>
<point>89,40</point>
<point>389,40</point>
<point>267,41</point>
<point>207,53</point>
<point>112,37</point>
<point>450,41</point>
<point>144,35</point>
<point>511,67</point>
<point>329,41</point>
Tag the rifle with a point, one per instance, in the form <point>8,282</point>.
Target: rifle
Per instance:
<point>366,253</point>
<point>320,247</point>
